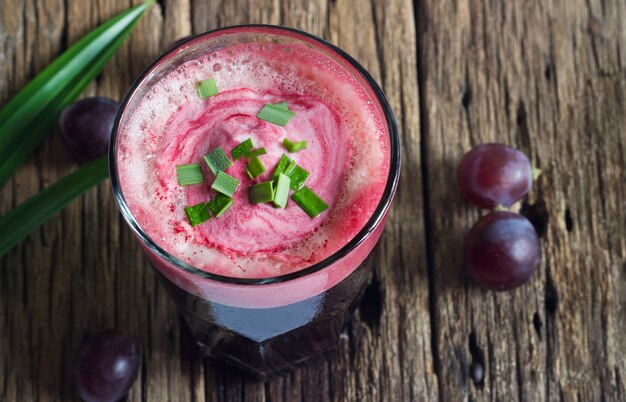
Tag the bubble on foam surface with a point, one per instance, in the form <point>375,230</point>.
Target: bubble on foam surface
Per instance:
<point>173,101</point>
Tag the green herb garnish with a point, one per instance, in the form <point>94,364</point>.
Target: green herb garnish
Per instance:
<point>290,167</point>
<point>281,193</point>
<point>219,204</point>
<point>217,160</point>
<point>241,149</point>
<point>189,174</point>
<point>225,184</point>
<point>298,176</point>
<point>262,192</point>
<point>310,202</point>
<point>255,168</point>
<point>207,88</point>
<point>280,168</point>
<point>294,146</point>
<point>255,152</point>
<point>275,114</point>
<point>198,214</point>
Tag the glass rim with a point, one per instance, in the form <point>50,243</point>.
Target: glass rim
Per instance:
<point>378,214</point>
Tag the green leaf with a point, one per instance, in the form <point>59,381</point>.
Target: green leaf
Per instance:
<point>16,224</point>
<point>310,202</point>
<point>198,214</point>
<point>189,174</point>
<point>217,160</point>
<point>281,194</point>
<point>225,184</point>
<point>33,112</point>
<point>276,114</point>
<point>261,192</point>
<point>207,88</point>
<point>219,204</point>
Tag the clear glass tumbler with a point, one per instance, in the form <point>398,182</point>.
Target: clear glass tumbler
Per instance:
<point>266,325</point>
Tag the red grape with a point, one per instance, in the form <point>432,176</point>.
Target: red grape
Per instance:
<point>106,366</point>
<point>86,127</point>
<point>502,250</point>
<point>494,174</point>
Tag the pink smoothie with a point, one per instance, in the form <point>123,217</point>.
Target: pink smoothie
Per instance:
<point>347,157</point>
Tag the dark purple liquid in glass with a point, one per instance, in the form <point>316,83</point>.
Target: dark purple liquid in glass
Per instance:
<point>270,341</point>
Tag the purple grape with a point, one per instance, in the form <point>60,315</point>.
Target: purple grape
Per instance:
<point>494,174</point>
<point>106,366</point>
<point>502,250</point>
<point>86,127</point>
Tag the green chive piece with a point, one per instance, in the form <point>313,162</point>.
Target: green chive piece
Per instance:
<point>207,88</point>
<point>255,168</point>
<point>294,146</point>
<point>189,174</point>
<point>281,193</point>
<point>280,168</point>
<point>241,149</point>
<point>290,167</point>
<point>219,204</point>
<point>255,152</point>
<point>217,160</point>
<point>297,176</point>
<point>198,214</point>
<point>282,105</point>
<point>310,202</point>
<point>275,114</point>
<point>260,193</point>
<point>225,184</point>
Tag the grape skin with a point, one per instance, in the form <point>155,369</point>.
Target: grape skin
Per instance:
<point>106,366</point>
<point>502,250</point>
<point>86,126</point>
<point>494,174</point>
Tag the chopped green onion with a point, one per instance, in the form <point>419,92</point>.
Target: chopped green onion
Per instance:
<point>282,105</point>
<point>219,204</point>
<point>298,176</point>
<point>280,168</point>
<point>225,184</point>
<point>217,160</point>
<point>260,193</point>
<point>207,88</point>
<point>294,146</point>
<point>255,168</point>
<point>275,114</point>
<point>197,214</point>
<point>255,152</point>
<point>241,149</point>
<point>189,174</point>
<point>310,202</point>
<point>281,193</point>
<point>290,167</point>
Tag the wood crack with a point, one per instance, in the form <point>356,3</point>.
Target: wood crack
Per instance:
<point>420,16</point>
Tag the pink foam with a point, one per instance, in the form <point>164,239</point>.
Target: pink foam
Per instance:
<point>347,156</point>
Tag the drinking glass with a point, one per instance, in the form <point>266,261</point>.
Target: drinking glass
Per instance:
<point>263,325</point>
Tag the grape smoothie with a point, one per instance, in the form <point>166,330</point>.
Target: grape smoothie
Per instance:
<point>261,287</point>
<point>347,157</point>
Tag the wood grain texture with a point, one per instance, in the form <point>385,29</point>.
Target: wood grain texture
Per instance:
<point>545,76</point>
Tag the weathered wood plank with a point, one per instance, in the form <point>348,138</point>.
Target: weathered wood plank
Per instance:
<point>109,282</point>
<point>546,77</point>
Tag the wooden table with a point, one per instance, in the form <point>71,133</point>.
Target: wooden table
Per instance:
<point>545,76</point>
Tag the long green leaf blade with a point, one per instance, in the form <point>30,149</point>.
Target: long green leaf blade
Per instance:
<point>26,119</point>
<point>16,224</point>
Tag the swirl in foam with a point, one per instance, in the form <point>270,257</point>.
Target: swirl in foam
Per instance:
<point>347,156</point>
